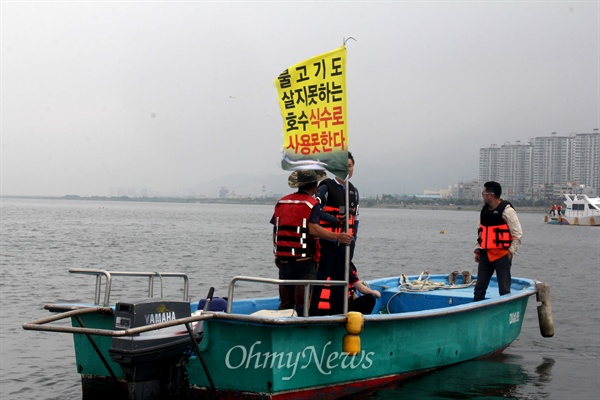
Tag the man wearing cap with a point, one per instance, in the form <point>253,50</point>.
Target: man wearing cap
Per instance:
<point>295,232</point>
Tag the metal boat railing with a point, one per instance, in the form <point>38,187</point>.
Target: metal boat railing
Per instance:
<point>307,283</point>
<point>108,279</point>
<point>108,276</point>
<point>103,276</point>
<point>74,310</point>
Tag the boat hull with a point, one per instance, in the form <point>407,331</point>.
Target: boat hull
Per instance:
<point>286,363</point>
<point>284,358</point>
<point>583,220</point>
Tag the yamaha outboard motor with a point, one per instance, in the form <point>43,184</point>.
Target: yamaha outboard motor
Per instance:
<point>154,361</point>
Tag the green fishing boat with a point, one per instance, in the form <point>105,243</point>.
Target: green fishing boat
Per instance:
<point>245,348</point>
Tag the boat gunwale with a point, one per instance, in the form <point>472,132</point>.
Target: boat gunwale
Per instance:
<point>73,310</point>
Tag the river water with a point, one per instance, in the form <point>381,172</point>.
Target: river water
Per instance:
<point>42,239</point>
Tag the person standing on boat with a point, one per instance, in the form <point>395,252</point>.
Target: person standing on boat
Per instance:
<point>295,232</point>
<point>499,238</point>
<point>559,210</point>
<point>553,210</point>
<point>331,193</point>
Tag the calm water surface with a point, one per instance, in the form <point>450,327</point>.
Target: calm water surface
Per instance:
<point>42,239</point>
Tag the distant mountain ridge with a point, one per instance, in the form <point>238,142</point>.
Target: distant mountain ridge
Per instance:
<point>387,174</point>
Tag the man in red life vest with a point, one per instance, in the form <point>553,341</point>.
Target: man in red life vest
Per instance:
<point>295,229</point>
<point>331,193</point>
<point>499,238</point>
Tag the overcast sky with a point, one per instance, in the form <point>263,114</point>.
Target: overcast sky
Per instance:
<point>167,95</point>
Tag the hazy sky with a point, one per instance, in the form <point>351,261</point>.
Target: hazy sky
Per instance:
<point>167,95</point>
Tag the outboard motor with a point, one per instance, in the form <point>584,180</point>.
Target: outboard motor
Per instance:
<point>153,362</point>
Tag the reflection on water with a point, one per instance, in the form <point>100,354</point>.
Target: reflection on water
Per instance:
<point>544,370</point>
<point>500,377</point>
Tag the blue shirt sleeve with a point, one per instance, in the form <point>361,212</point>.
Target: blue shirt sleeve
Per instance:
<point>315,214</point>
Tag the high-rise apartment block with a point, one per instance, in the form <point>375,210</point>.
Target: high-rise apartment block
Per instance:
<point>533,169</point>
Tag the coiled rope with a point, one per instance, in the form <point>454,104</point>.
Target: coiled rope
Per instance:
<point>423,284</point>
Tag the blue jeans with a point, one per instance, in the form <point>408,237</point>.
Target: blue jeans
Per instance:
<point>486,269</point>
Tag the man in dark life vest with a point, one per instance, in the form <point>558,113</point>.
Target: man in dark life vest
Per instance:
<point>499,238</point>
<point>295,229</point>
<point>328,300</point>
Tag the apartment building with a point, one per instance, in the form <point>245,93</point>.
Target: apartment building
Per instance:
<point>543,162</point>
<point>585,160</point>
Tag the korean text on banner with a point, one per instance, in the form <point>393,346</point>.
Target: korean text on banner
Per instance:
<point>312,97</point>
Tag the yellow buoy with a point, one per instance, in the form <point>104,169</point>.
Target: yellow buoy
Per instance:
<point>351,344</point>
<point>354,322</point>
<point>442,231</point>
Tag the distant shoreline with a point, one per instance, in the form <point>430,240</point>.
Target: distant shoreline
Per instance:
<point>265,201</point>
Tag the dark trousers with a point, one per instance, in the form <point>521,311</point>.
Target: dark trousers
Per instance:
<point>332,265</point>
<point>363,304</point>
<point>292,296</point>
<point>486,269</point>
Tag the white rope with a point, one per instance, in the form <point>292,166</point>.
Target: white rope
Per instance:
<point>422,285</point>
<point>425,285</point>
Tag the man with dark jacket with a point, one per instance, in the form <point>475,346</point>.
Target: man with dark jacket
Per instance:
<point>331,193</point>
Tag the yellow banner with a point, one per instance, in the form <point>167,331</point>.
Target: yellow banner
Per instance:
<point>312,97</point>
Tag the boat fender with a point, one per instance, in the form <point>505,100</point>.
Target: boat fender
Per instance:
<point>355,323</point>
<point>351,344</point>
<point>592,222</point>
<point>575,221</point>
<point>545,219</point>
<point>559,219</point>
<point>544,310</point>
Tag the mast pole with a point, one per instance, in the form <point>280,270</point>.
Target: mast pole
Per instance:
<point>347,257</point>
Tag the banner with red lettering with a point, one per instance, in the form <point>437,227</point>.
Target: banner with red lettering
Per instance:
<point>312,98</point>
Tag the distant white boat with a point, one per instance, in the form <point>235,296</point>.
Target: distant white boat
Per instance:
<point>579,210</point>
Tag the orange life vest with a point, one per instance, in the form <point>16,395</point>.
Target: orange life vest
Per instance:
<point>494,232</point>
<point>325,297</point>
<point>335,200</point>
